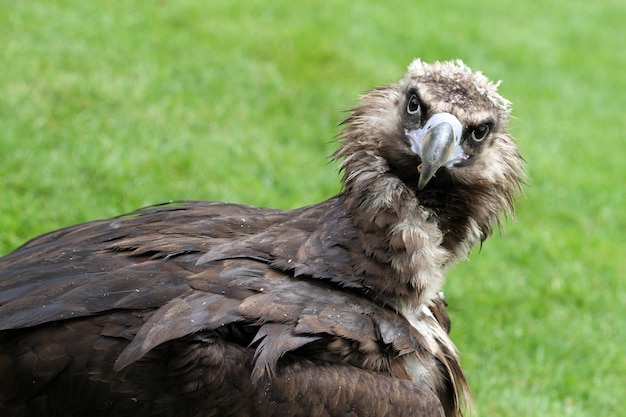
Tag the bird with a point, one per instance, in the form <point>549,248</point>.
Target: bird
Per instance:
<point>204,308</point>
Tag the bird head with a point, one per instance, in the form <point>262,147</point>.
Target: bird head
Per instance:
<point>439,134</point>
<point>454,120</point>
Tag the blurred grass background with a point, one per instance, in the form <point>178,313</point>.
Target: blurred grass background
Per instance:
<point>110,106</point>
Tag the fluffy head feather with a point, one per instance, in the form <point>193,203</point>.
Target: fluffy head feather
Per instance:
<point>429,228</point>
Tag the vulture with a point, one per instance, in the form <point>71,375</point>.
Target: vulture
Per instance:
<point>197,308</point>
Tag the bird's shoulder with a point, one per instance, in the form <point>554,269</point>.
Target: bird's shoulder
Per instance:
<point>145,258</point>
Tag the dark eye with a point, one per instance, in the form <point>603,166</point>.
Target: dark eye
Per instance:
<point>413,105</point>
<point>480,132</point>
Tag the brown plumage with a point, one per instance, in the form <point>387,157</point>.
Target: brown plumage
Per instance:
<point>212,309</point>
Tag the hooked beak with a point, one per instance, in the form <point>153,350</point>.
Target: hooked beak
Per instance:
<point>438,144</point>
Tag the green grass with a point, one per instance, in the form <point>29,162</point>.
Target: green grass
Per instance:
<point>110,106</point>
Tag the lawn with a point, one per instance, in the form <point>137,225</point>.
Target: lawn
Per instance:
<point>109,106</point>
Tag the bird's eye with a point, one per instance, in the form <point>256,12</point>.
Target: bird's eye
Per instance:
<point>413,105</point>
<point>480,132</point>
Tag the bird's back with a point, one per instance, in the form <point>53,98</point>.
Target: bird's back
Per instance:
<point>186,308</point>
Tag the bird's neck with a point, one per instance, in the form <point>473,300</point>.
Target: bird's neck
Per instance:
<point>397,234</point>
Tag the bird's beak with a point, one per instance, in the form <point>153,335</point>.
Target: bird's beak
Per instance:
<point>438,144</point>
